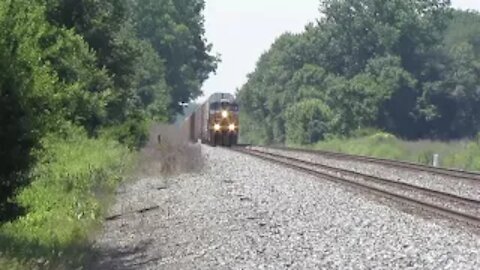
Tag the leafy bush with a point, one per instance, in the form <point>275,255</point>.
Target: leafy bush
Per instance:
<point>307,121</point>
<point>28,99</point>
<point>382,137</point>
<point>133,133</point>
<point>364,132</point>
<point>72,180</point>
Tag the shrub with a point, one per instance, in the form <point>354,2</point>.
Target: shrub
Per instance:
<point>28,102</point>
<point>133,133</point>
<point>364,132</point>
<point>382,137</point>
<point>307,121</point>
<point>71,181</point>
<point>48,76</point>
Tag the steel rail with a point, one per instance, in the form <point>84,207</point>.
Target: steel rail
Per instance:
<point>380,180</point>
<point>466,175</point>
<point>444,211</point>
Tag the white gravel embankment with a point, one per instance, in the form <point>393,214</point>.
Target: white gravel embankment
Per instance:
<point>461,187</point>
<point>244,213</point>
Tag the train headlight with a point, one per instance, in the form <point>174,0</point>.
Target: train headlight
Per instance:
<point>224,114</point>
<point>231,127</point>
<point>217,127</point>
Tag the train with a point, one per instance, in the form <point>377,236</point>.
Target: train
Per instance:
<point>215,122</point>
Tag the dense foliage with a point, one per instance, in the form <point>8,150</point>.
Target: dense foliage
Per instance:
<point>79,82</point>
<point>411,68</point>
<point>76,78</point>
<point>74,180</point>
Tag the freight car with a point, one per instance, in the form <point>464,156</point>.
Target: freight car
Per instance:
<point>215,122</point>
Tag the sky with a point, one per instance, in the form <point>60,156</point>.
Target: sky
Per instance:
<point>241,30</point>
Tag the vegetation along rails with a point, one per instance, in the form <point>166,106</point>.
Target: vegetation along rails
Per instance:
<point>466,175</point>
<point>445,204</point>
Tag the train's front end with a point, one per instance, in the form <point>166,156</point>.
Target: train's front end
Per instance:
<point>223,120</point>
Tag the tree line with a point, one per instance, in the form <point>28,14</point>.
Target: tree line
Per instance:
<point>106,66</point>
<point>410,68</point>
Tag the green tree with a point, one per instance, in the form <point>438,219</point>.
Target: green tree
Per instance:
<point>176,31</point>
<point>307,121</point>
<point>369,61</point>
<point>31,103</point>
<point>395,96</point>
<point>463,27</point>
<point>452,105</point>
<point>84,89</point>
<point>106,27</point>
<point>269,91</point>
<point>360,30</point>
<point>69,65</point>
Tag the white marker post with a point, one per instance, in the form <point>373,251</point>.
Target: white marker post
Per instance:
<point>435,160</point>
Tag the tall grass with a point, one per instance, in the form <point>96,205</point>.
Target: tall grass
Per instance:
<point>72,181</point>
<point>457,154</point>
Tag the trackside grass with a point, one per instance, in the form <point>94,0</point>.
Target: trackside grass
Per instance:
<point>458,154</point>
<point>72,183</point>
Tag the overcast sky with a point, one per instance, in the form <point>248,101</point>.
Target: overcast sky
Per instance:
<point>241,30</point>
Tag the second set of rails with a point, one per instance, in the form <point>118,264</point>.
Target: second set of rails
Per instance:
<point>461,174</point>
<point>446,204</point>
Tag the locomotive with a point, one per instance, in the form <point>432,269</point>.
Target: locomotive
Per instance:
<point>215,122</point>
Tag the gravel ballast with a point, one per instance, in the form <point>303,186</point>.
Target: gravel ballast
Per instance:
<point>244,213</point>
<point>461,187</point>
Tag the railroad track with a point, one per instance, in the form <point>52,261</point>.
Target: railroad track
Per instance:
<point>445,204</point>
<point>466,175</point>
